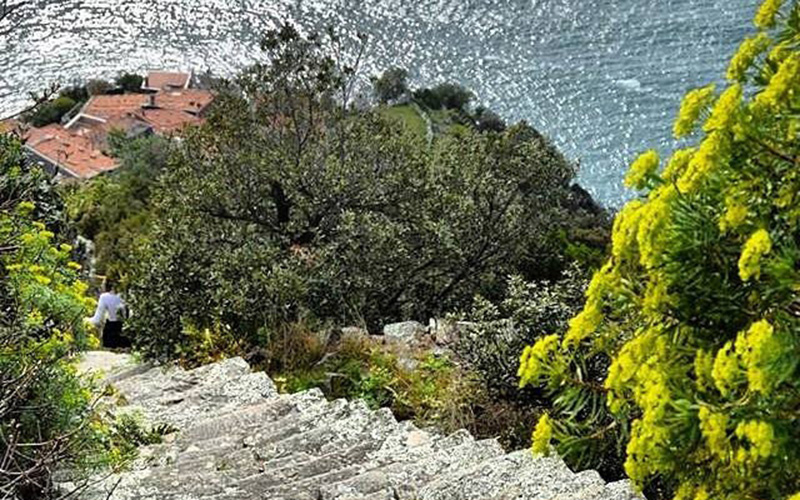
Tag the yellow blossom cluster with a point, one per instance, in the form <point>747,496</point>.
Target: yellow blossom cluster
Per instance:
<point>635,369</point>
<point>759,348</point>
<point>765,17</point>
<point>703,368</point>
<point>779,53</point>
<point>542,435</point>
<point>714,427</point>
<point>712,153</point>
<point>642,169</point>
<point>693,105</point>
<point>746,55</point>
<point>761,436</point>
<point>758,245</point>
<point>656,295</point>
<point>784,83</point>
<point>645,451</point>
<point>724,111</point>
<point>25,207</point>
<point>652,220</point>
<point>583,325</point>
<point>606,280</point>
<point>626,226</point>
<point>535,358</point>
<point>735,214</point>
<point>726,371</point>
<point>677,164</point>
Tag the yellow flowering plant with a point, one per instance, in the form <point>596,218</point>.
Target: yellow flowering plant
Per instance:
<point>44,405</point>
<point>691,331</point>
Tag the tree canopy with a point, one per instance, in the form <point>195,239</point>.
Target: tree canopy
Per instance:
<point>289,203</point>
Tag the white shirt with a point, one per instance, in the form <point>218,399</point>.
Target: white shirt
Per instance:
<point>110,304</point>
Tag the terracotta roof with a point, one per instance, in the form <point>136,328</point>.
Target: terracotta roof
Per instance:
<point>163,80</point>
<point>170,112</point>
<point>78,146</point>
<point>191,100</point>
<point>74,151</point>
<point>110,107</point>
<point>165,121</point>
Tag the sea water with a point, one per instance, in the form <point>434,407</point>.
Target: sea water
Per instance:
<point>602,78</point>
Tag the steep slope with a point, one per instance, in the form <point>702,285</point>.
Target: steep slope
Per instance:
<point>238,439</point>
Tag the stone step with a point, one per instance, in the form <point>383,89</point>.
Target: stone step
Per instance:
<point>515,475</point>
<point>198,402</point>
<point>404,475</point>
<point>337,471</point>
<point>169,380</point>
<point>243,421</point>
<point>351,431</point>
<point>244,458</point>
<point>238,439</point>
<point>620,490</point>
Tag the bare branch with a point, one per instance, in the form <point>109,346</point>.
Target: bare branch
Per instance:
<point>7,8</point>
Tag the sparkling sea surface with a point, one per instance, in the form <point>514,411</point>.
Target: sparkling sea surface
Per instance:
<point>602,78</point>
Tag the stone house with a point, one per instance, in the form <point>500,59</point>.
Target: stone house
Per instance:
<point>78,148</point>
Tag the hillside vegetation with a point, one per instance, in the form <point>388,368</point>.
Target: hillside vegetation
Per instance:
<point>683,363</point>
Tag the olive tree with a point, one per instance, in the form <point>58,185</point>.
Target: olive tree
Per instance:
<point>288,203</point>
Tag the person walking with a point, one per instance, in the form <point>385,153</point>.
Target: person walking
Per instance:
<point>112,308</point>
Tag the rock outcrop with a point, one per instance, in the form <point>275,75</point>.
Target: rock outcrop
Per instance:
<point>238,439</point>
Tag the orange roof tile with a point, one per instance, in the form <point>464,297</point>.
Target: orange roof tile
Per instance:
<point>165,79</point>
<point>170,112</point>
<point>190,100</point>
<point>74,152</point>
<point>78,147</point>
<point>109,107</point>
<point>165,121</point>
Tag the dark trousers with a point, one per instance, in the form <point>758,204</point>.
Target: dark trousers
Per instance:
<point>113,337</point>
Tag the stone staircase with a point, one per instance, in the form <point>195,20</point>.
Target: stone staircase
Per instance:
<point>238,439</point>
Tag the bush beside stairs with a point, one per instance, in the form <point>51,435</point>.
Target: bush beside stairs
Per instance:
<point>236,438</point>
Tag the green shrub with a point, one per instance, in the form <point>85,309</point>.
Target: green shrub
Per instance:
<point>415,384</point>
<point>491,343</point>
<point>130,82</point>
<point>76,92</point>
<point>126,433</point>
<point>690,331</point>
<point>391,85</point>
<point>50,112</point>
<point>444,96</point>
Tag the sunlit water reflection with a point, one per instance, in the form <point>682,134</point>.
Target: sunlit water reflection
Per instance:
<point>603,78</point>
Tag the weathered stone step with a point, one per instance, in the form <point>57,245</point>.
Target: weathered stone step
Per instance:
<point>255,422</point>
<point>333,474</point>
<point>215,468</point>
<point>404,475</point>
<point>352,430</point>
<point>620,490</point>
<point>308,403</point>
<point>188,398</point>
<point>515,475</point>
<point>238,439</point>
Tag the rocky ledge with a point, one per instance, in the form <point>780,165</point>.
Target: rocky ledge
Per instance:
<point>238,439</point>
